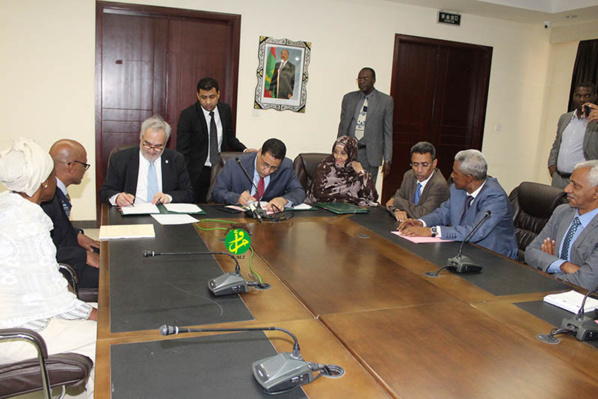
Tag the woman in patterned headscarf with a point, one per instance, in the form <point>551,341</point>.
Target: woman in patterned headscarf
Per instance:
<point>340,178</point>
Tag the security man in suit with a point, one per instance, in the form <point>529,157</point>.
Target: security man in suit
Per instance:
<point>204,130</point>
<point>567,246</point>
<point>366,114</point>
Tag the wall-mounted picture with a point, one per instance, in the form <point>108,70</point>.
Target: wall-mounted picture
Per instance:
<point>282,74</point>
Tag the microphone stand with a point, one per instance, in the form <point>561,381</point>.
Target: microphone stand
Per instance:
<point>227,284</point>
<point>254,212</point>
<point>275,374</point>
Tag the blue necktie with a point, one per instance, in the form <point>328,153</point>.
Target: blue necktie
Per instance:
<point>152,182</point>
<point>568,238</point>
<point>418,193</point>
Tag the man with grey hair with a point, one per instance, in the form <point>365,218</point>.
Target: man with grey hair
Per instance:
<point>567,246</point>
<point>151,173</point>
<point>473,194</point>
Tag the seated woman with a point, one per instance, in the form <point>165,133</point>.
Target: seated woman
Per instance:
<point>339,178</point>
<point>33,293</point>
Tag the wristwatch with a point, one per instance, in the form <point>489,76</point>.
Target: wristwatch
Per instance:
<point>434,231</point>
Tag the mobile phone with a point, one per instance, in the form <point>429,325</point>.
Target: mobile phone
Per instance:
<point>586,110</point>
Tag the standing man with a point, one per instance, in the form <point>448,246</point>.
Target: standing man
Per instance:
<point>576,138</point>
<point>423,188</point>
<point>568,245</point>
<point>366,114</point>
<point>72,246</point>
<point>151,173</point>
<point>204,130</point>
<point>283,78</point>
<point>473,193</point>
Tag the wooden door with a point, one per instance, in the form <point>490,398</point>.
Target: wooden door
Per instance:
<point>148,61</point>
<point>440,90</point>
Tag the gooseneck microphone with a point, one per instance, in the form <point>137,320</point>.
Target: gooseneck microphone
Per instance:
<point>255,209</point>
<point>461,263</point>
<point>228,283</point>
<point>279,373</point>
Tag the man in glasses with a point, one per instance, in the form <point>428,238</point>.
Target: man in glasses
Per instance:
<point>423,188</point>
<point>72,245</point>
<point>151,173</point>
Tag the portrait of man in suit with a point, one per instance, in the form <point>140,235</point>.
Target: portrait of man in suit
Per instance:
<point>283,78</point>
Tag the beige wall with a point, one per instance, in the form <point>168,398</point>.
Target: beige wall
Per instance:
<point>47,80</point>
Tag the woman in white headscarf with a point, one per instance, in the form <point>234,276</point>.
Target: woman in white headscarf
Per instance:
<point>33,293</point>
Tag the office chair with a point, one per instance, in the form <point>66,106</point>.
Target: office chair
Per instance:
<point>225,156</point>
<point>305,166</point>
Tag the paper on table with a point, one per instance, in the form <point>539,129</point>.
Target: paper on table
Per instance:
<point>127,231</point>
<point>182,208</point>
<point>174,219</point>
<point>302,207</point>
<point>420,240</point>
<point>571,301</point>
<point>139,209</point>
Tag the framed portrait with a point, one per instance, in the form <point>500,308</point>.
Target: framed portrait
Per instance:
<point>282,74</point>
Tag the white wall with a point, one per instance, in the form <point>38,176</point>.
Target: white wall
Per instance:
<point>47,53</point>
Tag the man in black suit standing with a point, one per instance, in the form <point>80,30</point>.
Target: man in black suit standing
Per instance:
<point>204,130</point>
<point>283,78</point>
<point>72,245</point>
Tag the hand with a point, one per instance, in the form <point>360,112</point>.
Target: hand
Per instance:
<point>417,231</point>
<point>357,167</point>
<point>244,198</point>
<point>94,315</point>
<point>410,223</point>
<point>389,204</point>
<point>125,199</point>
<point>160,198</point>
<point>400,215</point>
<point>548,246</point>
<point>277,202</point>
<point>386,168</point>
<point>93,259</point>
<point>87,242</point>
<point>551,169</point>
<point>569,267</point>
<point>593,117</point>
<point>289,96</point>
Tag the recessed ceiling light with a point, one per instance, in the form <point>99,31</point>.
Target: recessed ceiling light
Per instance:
<point>571,16</point>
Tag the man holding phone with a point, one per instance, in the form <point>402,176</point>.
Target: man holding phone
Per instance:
<point>576,137</point>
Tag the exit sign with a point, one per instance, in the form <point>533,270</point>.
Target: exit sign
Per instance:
<point>449,18</point>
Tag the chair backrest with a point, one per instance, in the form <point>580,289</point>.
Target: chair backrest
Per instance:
<point>225,156</point>
<point>115,150</point>
<point>532,205</point>
<point>305,166</point>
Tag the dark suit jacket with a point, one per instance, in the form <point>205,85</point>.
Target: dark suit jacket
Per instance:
<point>286,84</point>
<point>123,171</point>
<point>434,194</point>
<point>192,137</point>
<point>497,233</point>
<point>231,182</point>
<point>584,251</point>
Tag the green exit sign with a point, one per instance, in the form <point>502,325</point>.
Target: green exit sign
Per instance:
<point>449,18</point>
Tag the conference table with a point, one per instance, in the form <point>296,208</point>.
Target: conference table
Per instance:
<point>353,293</point>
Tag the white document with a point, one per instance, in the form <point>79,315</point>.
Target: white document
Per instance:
<point>127,231</point>
<point>302,207</point>
<point>139,209</point>
<point>182,208</point>
<point>174,219</point>
<point>571,301</point>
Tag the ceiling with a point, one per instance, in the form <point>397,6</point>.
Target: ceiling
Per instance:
<point>558,12</point>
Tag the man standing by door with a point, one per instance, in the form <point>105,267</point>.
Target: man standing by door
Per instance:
<point>366,114</point>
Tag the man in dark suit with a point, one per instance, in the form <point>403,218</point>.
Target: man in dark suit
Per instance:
<point>366,114</point>
<point>72,245</point>
<point>151,173</point>
<point>283,78</point>
<point>473,193</point>
<point>272,174</point>
<point>194,135</point>
<point>423,188</point>
<point>568,245</point>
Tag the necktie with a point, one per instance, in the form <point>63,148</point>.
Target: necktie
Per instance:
<point>468,202</point>
<point>418,193</point>
<point>214,153</point>
<point>568,238</point>
<point>360,126</point>
<point>260,189</point>
<point>152,182</point>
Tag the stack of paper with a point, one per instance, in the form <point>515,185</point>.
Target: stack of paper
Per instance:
<point>571,301</point>
<point>139,209</point>
<point>127,231</point>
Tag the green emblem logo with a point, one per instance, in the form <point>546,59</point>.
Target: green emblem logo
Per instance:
<point>237,241</point>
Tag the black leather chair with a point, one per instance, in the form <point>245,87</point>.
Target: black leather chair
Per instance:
<point>224,158</point>
<point>305,166</point>
<point>84,294</point>
<point>43,373</point>
<point>532,205</point>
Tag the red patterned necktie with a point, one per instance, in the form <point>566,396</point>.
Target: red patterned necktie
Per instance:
<point>260,189</point>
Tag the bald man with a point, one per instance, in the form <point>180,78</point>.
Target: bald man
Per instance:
<point>72,246</point>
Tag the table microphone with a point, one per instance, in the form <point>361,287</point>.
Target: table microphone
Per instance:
<point>227,284</point>
<point>275,374</point>
<point>255,211</point>
<point>461,263</point>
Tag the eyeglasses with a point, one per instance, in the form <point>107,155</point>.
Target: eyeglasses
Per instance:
<point>157,147</point>
<point>417,164</point>
<point>85,165</point>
